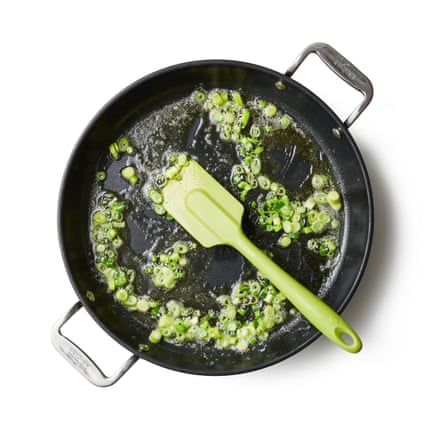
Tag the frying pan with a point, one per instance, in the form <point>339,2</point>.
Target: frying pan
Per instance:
<point>129,108</point>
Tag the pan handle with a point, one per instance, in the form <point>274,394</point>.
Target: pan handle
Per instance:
<point>79,359</point>
<point>344,69</point>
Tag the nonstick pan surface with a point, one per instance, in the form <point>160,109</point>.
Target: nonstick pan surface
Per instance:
<point>127,114</point>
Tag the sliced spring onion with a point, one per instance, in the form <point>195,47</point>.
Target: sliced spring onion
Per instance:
<point>237,98</point>
<point>199,96</point>
<point>270,110</point>
<point>155,336</point>
<point>114,150</point>
<point>101,175</point>
<point>129,173</point>
<point>285,121</point>
<point>334,200</point>
<point>244,118</point>
<point>155,196</point>
<point>284,241</point>
<point>123,144</point>
<point>319,181</point>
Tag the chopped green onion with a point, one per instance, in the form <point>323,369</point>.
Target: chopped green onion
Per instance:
<point>99,217</point>
<point>270,110</point>
<point>199,96</point>
<point>142,305</point>
<point>261,103</point>
<point>172,171</point>
<point>182,160</point>
<point>255,166</point>
<point>285,121</point>
<point>155,336</point>
<point>121,295</point>
<point>123,144</point>
<point>319,181</point>
<point>244,118</point>
<point>264,182</point>
<point>181,248</point>
<point>284,241</point>
<point>101,176</point>
<point>238,99</point>
<point>255,131</point>
<point>129,173</point>
<point>217,99</point>
<point>321,198</point>
<point>159,209</point>
<point>334,200</point>
<point>155,196</point>
<point>114,150</point>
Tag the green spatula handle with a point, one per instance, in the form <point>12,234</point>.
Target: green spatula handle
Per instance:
<point>316,311</point>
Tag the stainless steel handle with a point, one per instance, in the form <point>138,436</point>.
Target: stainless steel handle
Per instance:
<point>344,69</point>
<point>79,359</point>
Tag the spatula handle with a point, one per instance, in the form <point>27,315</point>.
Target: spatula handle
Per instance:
<point>315,310</point>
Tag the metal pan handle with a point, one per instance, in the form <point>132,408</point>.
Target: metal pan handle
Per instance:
<point>344,69</point>
<point>79,359</point>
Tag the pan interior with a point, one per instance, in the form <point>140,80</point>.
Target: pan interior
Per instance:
<point>159,118</point>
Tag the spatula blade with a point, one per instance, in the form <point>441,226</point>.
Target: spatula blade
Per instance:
<point>201,205</point>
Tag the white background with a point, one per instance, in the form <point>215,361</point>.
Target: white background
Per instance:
<point>60,62</point>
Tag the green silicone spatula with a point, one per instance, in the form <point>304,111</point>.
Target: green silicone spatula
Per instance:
<point>213,217</point>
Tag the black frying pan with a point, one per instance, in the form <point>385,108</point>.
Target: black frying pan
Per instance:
<point>155,91</point>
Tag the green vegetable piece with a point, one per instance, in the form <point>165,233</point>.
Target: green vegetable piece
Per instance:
<point>216,116</point>
<point>199,96</point>
<point>285,121</point>
<point>284,241</point>
<point>155,336</point>
<point>237,98</point>
<point>122,295</point>
<point>114,150</point>
<point>319,181</point>
<point>159,209</point>
<point>321,198</point>
<point>182,159</point>
<point>172,171</point>
<point>335,224</point>
<point>181,248</point>
<point>261,103</point>
<point>309,203</point>
<point>264,182</point>
<point>334,200</point>
<point>142,305</point>
<point>99,217</point>
<point>123,144</point>
<point>129,173</point>
<point>244,118</point>
<point>255,131</point>
<point>270,110</point>
<point>229,118</point>
<point>217,99</point>
<point>327,247</point>
<point>101,176</point>
<point>155,196</point>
